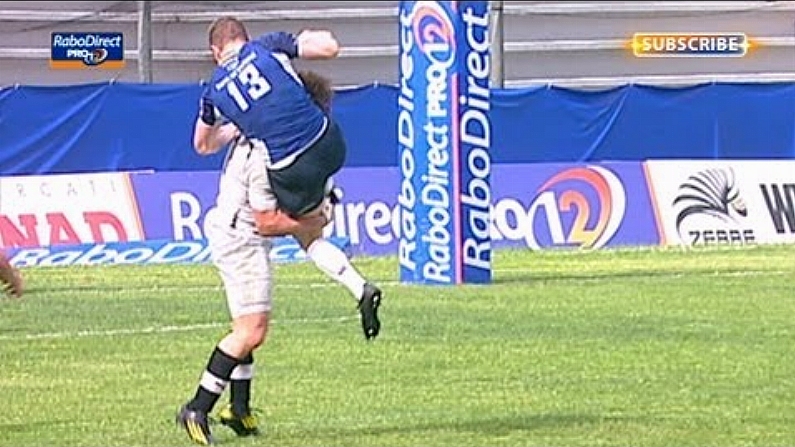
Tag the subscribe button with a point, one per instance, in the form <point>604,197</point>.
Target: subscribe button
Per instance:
<point>87,50</point>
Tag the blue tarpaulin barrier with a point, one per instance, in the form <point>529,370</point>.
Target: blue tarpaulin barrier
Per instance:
<point>129,126</point>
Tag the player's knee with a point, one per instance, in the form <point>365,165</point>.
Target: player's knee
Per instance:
<point>252,331</point>
<point>306,239</point>
<point>255,339</point>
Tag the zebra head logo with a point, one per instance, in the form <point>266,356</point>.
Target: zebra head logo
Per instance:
<point>712,192</point>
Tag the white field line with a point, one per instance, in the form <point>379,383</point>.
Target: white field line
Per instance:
<point>156,329</point>
<point>606,273</point>
<point>564,276</point>
<point>202,326</point>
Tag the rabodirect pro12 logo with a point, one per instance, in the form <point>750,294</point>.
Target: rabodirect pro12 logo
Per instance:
<point>579,207</point>
<point>434,32</point>
<point>87,50</point>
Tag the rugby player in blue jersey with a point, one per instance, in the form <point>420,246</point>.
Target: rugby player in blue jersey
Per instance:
<point>275,182</point>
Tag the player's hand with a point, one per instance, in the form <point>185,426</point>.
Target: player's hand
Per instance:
<point>317,45</point>
<point>278,223</point>
<point>229,133</point>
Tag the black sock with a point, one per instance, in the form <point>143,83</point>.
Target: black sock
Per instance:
<point>214,379</point>
<point>240,394</point>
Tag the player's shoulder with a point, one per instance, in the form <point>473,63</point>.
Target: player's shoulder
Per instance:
<point>253,46</point>
<point>277,42</point>
<point>216,76</point>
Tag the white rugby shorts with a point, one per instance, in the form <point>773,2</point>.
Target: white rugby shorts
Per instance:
<point>243,262</point>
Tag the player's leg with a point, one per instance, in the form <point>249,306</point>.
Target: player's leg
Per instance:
<point>332,261</point>
<point>303,189</point>
<point>248,333</point>
<point>257,268</point>
<point>238,414</point>
<point>243,264</point>
<point>240,399</point>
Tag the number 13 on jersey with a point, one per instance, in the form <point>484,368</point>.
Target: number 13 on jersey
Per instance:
<point>255,85</point>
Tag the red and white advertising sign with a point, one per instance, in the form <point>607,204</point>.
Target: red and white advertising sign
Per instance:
<point>723,202</point>
<point>67,209</point>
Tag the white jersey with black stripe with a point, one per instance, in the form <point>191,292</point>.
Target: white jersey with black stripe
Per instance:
<point>243,187</point>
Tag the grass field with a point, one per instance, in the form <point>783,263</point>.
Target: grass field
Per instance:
<point>645,347</point>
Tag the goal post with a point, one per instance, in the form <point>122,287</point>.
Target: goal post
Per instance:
<point>444,141</point>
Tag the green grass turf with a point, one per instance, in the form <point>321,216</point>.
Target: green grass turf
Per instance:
<point>642,347</point>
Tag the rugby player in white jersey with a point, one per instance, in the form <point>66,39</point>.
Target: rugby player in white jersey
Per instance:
<point>273,184</point>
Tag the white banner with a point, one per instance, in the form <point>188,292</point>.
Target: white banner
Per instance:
<point>72,209</point>
<point>723,202</point>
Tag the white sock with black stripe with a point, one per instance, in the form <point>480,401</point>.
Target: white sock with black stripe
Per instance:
<point>213,381</point>
<point>333,262</point>
<point>240,389</point>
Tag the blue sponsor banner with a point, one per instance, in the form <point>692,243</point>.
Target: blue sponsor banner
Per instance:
<point>444,138</point>
<point>558,206</point>
<point>69,50</point>
<point>143,253</point>
<point>172,205</point>
<point>534,206</point>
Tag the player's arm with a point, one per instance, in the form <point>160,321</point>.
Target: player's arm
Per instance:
<point>278,223</point>
<point>209,135</point>
<point>208,140</point>
<point>268,218</point>
<point>308,44</point>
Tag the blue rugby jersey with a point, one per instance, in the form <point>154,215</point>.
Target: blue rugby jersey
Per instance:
<point>259,91</point>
